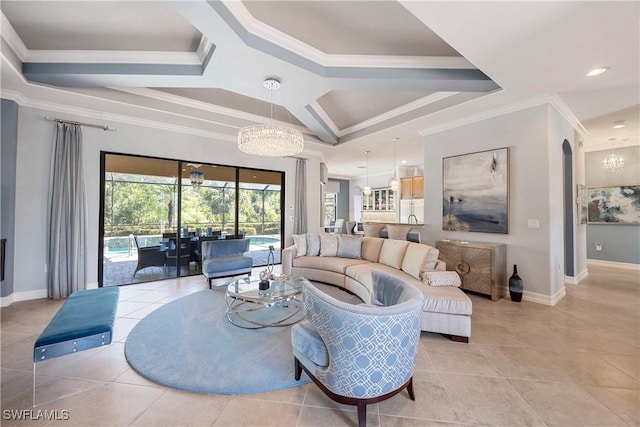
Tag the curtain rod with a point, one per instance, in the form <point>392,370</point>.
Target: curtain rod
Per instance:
<point>71,122</point>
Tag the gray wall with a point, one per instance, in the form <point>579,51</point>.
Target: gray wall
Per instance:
<point>8,153</point>
<point>620,243</point>
<point>535,138</point>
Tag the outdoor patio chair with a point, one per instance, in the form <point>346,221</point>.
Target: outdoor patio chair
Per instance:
<point>149,256</point>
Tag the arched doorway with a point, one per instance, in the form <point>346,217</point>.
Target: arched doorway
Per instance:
<point>567,163</point>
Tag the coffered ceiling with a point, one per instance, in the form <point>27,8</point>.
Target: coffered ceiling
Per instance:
<point>354,74</point>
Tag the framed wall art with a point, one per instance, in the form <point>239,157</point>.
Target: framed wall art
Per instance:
<point>614,205</point>
<point>475,192</point>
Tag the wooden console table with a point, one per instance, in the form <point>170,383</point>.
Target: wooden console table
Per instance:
<point>481,266</point>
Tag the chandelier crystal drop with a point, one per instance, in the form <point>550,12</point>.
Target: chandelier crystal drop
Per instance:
<point>270,140</point>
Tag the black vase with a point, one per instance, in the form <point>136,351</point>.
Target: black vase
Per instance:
<point>516,285</point>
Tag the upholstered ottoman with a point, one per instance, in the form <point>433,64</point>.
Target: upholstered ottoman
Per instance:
<point>447,310</point>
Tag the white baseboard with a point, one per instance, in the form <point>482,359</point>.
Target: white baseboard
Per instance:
<point>614,264</point>
<point>544,299</point>
<point>577,279</point>
<point>22,296</point>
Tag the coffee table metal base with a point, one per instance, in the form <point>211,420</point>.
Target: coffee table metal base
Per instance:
<point>280,304</point>
<point>248,314</point>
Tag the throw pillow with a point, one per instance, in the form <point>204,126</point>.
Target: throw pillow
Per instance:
<point>372,229</point>
<point>300,240</point>
<point>392,253</point>
<point>349,246</point>
<point>328,244</point>
<point>371,248</point>
<point>397,231</point>
<point>313,244</point>
<point>419,259</point>
<point>442,278</point>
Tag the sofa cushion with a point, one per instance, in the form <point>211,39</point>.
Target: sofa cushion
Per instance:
<point>392,253</point>
<point>337,265</point>
<point>328,244</point>
<point>362,273</point>
<point>313,244</point>
<point>349,246</point>
<point>371,248</point>
<point>445,299</point>
<point>372,229</point>
<point>398,231</point>
<point>419,259</point>
<point>442,278</point>
<point>300,240</point>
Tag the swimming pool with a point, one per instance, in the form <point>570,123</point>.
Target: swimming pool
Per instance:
<point>265,241</point>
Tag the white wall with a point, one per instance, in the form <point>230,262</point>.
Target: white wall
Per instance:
<point>534,138</point>
<point>580,229</point>
<point>35,137</point>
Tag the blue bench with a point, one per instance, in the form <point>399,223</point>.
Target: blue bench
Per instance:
<point>84,321</point>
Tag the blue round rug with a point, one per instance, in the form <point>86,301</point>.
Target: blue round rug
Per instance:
<point>189,344</point>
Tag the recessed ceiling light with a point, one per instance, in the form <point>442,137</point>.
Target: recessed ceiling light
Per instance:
<point>619,124</point>
<point>404,162</point>
<point>596,71</point>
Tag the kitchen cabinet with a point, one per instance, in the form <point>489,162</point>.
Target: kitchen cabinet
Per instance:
<point>412,187</point>
<point>380,199</point>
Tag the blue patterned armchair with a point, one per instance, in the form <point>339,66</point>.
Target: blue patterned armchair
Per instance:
<point>360,354</point>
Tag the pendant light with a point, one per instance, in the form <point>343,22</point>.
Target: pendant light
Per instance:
<point>393,181</point>
<point>367,188</point>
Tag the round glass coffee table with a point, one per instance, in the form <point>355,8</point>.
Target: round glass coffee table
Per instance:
<point>252,308</point>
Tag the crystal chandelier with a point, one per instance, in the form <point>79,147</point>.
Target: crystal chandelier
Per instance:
<point>270,140</point>
<point>367,188</point>
<point>196,176</point>
<point>393,182</point>
<point>613,161</point>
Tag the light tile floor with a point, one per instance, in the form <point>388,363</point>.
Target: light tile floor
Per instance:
<point>575,364</point>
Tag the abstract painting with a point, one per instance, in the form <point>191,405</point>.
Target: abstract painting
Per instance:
<point>614,205</point>
<point>475,192</point>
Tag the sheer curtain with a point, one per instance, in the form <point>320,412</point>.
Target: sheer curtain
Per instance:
<point>300,206</point>
<point>67,215</point>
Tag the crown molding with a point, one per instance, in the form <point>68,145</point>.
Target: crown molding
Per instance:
<point>317,108</point>
<point>100,56</point>
<point>407,108</point>
<point>266,32</point>
<point>561,107</point>
<point>111,57</point>
<point>12,38</point>
<point>204,106</point>
<point>553,100</point>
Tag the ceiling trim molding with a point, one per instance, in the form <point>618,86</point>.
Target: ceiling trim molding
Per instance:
<point>561,107</point>
<point>110,56</point>
<point>204,106</point>
<point>260,29</point>
<point>12,38</point>
<point>396,112</point>
<point>322,115</point>
<point>508,109</point>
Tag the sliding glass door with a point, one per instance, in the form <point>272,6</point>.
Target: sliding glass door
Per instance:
<point>155,214</point>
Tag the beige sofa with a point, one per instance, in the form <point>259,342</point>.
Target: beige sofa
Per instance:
<point>447,309</point>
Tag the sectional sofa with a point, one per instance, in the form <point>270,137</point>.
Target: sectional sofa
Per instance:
<point>347,261</point>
